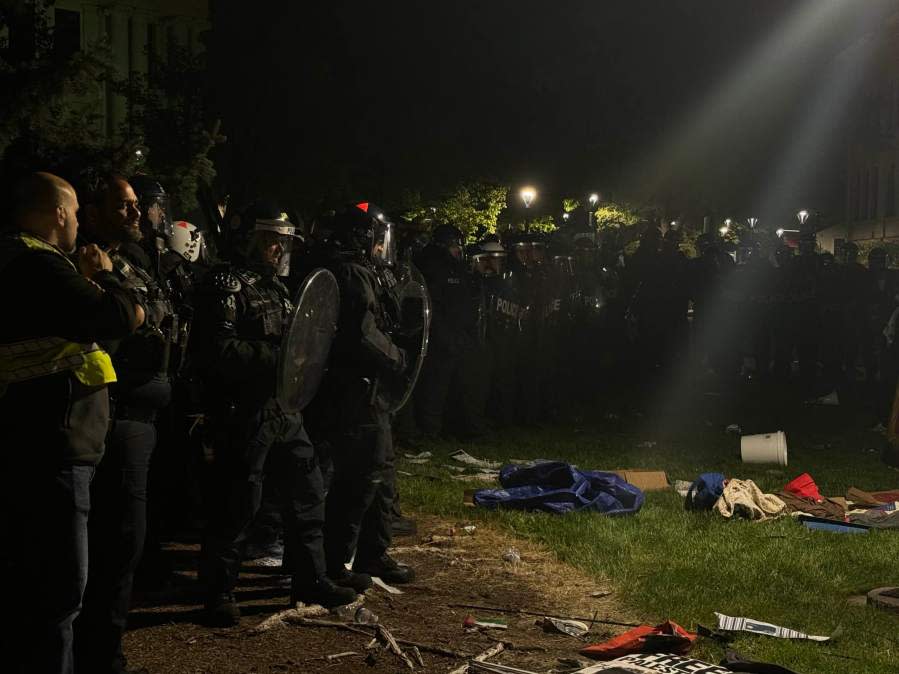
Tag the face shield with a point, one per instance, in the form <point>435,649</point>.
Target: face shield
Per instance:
<point>272,243</point>
<point>538,254</point>
<point>186,240</point>
<point>489,265</point>
<point>383,250</point>
<point>156,215</point>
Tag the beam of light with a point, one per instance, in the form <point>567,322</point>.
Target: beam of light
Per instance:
<point>528,194</point>
<point>773,70</point>
<point>723,327</point>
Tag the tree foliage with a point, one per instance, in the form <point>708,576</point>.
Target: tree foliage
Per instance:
<point>473,207</point>
<point>616,215</point>
<point>49,115</point>
<point>569,204</point>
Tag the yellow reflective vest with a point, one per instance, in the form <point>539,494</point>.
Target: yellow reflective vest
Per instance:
<point>44,356</point>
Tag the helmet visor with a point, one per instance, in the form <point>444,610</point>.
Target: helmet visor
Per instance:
<point>156,214</point>
<point>383,250</point>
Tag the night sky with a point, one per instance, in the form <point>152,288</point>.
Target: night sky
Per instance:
<point>340,99</point>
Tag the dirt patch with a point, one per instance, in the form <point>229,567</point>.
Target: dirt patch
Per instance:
<point>452,566</point>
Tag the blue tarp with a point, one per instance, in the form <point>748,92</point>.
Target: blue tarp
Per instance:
<point>557,487</point>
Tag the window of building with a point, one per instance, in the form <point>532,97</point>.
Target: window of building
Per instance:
<point>66,32</point>
<point>891,192</point>
<point>874,210</point>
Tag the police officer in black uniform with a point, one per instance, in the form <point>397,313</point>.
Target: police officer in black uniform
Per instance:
<point>352,408</point>
<point>453,327</point>
<point>117,527</point>
<point>241,314</point>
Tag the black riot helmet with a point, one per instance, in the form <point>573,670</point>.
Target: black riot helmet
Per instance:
<point>155,216</point>
<point>270,235</point>
<point>363,229</point>
<point>451,238</point>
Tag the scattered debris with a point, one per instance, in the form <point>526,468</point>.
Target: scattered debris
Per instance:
<point>541,614</point>
<point>337,656</point>
<point>764,448</point>
<point>599,594</point>
<point>386,638</point>
<point>822,524</point>
<point>489,653</point>
<point>363,616</point>
<point>471,622</point>
<point>734,429</point>
<point>420,455</point>
<point>682,487</point>
<point>469,529</point>
<point>454,469</point>
<point>418,461</point>
<point>300,611</point>
<point>404,473</point>
<point>729,624</point>
<point>638,663</point>
<point>416,655</point>
<point>645,480</point>
<point>704,491</point>
<point>669,637</point>
<point>647,444</point>
<point>384,586</point>
<point>483,476</point>
<point>737,663</point>
<point>743,498</point>
<point>573,628</point>
<point>512,556</point>
<point>462,456</point>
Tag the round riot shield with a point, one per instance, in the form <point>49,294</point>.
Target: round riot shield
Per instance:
<point>412,335</point>
<point>307,340</point>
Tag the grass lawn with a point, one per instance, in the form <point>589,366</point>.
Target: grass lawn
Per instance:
<point>668,563</point>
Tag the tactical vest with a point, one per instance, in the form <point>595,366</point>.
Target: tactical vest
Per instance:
<point>44,356</point>
<point>267,306</point>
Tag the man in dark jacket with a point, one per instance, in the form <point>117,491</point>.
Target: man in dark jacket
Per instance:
<point>54,410</point>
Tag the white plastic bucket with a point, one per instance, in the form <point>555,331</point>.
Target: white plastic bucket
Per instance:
<point>764,448</point>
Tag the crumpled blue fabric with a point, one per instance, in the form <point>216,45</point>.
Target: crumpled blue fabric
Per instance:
<point>558,487</point>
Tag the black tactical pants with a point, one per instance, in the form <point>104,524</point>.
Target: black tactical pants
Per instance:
<point>432,392</point>
<point>270,445</point>
<point>360,498</point>
<point>116,533</point>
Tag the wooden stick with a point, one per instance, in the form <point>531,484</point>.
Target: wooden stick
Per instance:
<point>417,655</point>
<point>489,653</point>
<point>337,656</point>
<point>385,635</point>
<point>496,609</point>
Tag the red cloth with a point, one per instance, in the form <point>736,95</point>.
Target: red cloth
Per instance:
<point>669,637</point>
<point>804,487</point>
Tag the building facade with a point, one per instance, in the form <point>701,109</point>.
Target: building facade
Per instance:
<point>140,34</point>
<point>871,209</point>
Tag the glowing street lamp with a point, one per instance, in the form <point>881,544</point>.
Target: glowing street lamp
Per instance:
<point>528,194</point>
<point>780,231</point>
<point>752,222</point>
<point>593,199</point>
<point>566,215</point>
<point>724,229</point>
<point>802,216</point>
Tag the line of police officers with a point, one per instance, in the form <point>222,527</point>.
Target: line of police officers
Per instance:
<point>106,292</point>
<point>119,315</point>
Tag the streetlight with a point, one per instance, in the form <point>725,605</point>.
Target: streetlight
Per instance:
<point>724,229</point>
<point>592,199</point>
<point>566,215</point>
<point>802,217</point>
<point>752,222</point>
<point>780,231</point>
<point>528,194</point>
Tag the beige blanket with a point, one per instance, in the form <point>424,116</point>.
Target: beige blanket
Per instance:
<point>743,498</point>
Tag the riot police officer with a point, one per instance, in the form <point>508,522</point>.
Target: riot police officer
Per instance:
<point>117,527</point>
<point>453,333</point>
<point>238,330</point>
<point>353,406</point>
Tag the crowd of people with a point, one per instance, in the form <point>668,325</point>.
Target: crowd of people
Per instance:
<point>134,341</point>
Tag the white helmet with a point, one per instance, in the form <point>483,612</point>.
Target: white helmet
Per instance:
<point>186,240</point>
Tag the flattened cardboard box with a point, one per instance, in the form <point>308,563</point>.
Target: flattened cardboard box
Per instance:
<point>646,480</point>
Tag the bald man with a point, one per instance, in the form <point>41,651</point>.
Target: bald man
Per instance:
<point>54,412</point>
